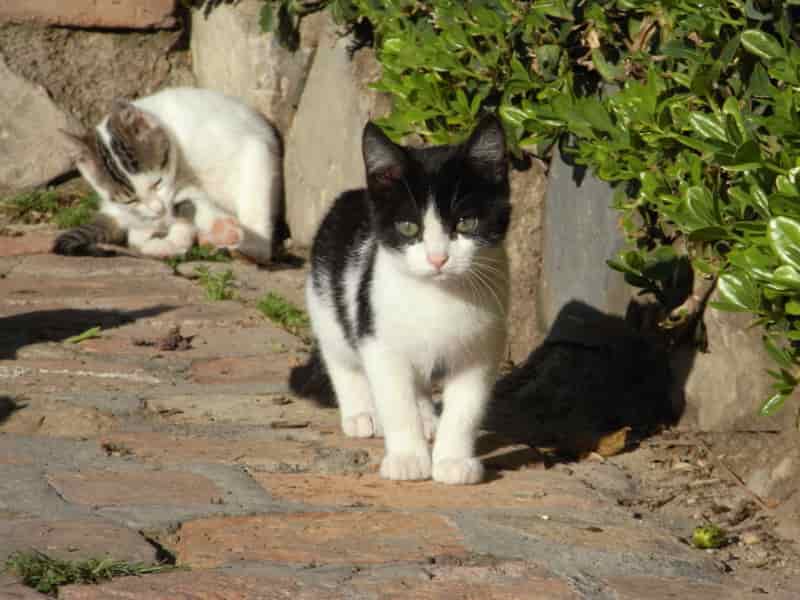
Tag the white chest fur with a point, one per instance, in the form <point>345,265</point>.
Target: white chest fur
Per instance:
<point>432,321</point>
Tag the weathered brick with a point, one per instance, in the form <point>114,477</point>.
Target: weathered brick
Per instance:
<point>194,585</point>
<point>596,533</point>
<point>74,540</point>
<point>172,449</point>
<point>319,538</point>
<point>37,242</point>
<point>142,14</point>
<point>512,490</point>
<point>238,369</point>
<point>112,488</point>
<point>678,588</point>
<point>504,581</point>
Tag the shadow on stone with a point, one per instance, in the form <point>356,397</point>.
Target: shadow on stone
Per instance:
<point>57,325</point>
<point>8,406</point>
<point>592,375</point>
<point>310,380</point>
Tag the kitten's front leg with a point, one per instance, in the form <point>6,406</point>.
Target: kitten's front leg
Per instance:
<point>355,400</point>
<point>466,395</point>
<point>392,380</point>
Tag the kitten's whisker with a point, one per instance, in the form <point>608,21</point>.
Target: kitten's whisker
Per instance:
<point>492,271</point>
<point>485,281</point>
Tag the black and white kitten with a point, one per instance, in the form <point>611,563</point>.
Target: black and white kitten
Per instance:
<point>410,277</point>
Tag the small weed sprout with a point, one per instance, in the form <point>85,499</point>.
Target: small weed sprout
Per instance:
<point>218,286</point>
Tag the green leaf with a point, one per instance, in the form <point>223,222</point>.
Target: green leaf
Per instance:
<point>772,405</point>
<point>608,71</point>
<point>700,206</point>
<point>708,126</point>
<point>738,290</point>
<point>762,44</point>
<point>784,238</point>
<point>776,353</point>
<point>94,332</point>
<point>792,307</point>
<point>786,186</point>
<point>787,276</point>
<point>265,18</point>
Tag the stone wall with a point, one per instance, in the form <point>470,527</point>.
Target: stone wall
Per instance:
<point>319,98</point>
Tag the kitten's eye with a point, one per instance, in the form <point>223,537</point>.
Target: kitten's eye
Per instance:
<point>157,184</point>
<point>468,225</point>
<point>407,228</point>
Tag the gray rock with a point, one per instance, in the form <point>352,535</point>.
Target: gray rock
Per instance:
<point>94,67</point>
<point>524,245</point>
<point>323,148</point>
<point>725,387</point>
<point>231,54</point>
<point>32,151</point>
<point>580,232</point>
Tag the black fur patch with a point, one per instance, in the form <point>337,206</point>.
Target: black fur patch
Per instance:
<point>466,181</point>
<point>110,165</point>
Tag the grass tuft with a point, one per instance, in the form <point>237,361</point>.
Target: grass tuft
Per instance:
<point>50,206</point>
<point>46,574</point>
<point>203,253</point>
<point>282,312</point>
<point>219,286</point>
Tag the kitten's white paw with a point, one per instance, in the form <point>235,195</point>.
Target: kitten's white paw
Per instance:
<point>361,425</point>
<point>161,248</point>
<point>406,466</point>
<point>458,471</point>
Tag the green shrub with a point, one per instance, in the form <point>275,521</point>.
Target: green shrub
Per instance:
<point>690,108</point>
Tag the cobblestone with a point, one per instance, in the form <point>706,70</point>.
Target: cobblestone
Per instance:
<point>111,442</point>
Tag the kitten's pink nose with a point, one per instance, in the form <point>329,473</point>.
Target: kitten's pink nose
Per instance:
<point>437,260</point>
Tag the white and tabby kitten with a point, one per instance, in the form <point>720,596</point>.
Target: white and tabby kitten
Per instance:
<point>181,163</point>
<point>409,278</point>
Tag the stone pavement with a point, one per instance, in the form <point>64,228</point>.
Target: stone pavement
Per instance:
<point>114,446</point>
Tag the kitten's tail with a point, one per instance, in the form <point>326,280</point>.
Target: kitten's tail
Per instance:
<point>311,380</point>
<point>83,240</point>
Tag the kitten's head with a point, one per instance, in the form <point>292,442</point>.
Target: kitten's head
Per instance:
<point>129,159</point>
<point>440,210</point>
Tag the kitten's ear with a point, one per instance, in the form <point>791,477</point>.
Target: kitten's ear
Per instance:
<point>486,149</point>
<point>138,122</point>
<point>384,161</point>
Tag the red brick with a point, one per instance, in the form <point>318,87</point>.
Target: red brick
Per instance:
<point>110,488</point>
<point>321,538</point>
<point>35,242</point>
<point>239,369</point>
<point>142,14</point>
